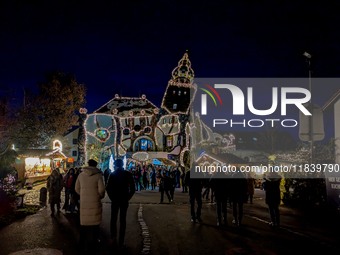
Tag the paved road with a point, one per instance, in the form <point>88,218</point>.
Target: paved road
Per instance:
<point>172,232</point>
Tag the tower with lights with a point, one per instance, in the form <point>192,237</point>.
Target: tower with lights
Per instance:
<point>177,97</point>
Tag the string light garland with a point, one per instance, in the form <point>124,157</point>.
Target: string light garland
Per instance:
<point>140,153</point>
<point>56,151</point>
<point>121,151</point>
<point>138,118</point>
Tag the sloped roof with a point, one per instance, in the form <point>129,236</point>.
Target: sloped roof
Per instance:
<point>32,153</point>
<point>328,106</point>
<point>123,105</point>
<point>56,154</point>
<point>226,158</point>
<point>41,153</point>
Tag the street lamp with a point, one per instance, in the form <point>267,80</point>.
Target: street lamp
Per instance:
<point>309,56</point>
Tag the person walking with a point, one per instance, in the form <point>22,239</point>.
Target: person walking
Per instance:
<point>184,186</point>
<point>153,179</point>
<point>206,185</point>
<point>67,183</point>
<point>164,186</point>
<point>251,188</point>
<point>239,189</point>
<point>220,184</point>
<point>172,185</point>
<point>195,194</point>
<point>263,180</point>
<point>91,189</point>
<point>106,174</point>
<point>145,179</point>
<point>74,200</point>
<point>54,188</point>
<point>138,177</point>
<point>120,189</point>
<point>271,186</point>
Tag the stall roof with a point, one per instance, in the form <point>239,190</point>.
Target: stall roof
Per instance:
<point>167,161</point>
<point>226,158</point>
<point>34,153</point>
<point>40,153</point>
<point>56,154</point>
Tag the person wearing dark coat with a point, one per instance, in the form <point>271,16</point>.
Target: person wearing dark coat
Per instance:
<point>106,175</point>
<point>177,177</point>
<point>195,193</point>
<point>68,181</point>
<point>220,184</point>
<point>74,195</point>
<point>206,185</point>
<point>153,179</point>
<point>239,195</point>
<point>145,179</point>
<point>172,185</point>
<point>271,186</point>
<point>54,187</point>
<point>251,188</point>
<point>120,189</point>
<point>165,186</point>
<point>138,177</point>
<point>184,186</point>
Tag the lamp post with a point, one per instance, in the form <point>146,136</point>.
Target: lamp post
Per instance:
<point>309,56</point>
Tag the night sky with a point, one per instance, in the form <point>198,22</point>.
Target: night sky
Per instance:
<point>131,47</point>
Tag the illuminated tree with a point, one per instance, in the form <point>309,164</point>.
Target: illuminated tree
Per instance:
<point>49,113</point>
<point>273,141</point>
<point>309,188</point>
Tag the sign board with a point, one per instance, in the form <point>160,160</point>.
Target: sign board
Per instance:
<point>333,186</point>
<point>304,128</point>
<point>70,160</point>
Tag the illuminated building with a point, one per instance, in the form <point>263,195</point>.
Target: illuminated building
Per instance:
<point>137,128</point>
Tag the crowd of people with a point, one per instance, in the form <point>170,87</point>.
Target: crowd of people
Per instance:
<point>85,187</point>
<point>237,189</point>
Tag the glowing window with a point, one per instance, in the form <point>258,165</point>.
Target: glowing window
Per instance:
<point>169,141</point>
<point>179,92</point>
<point>174,107</point>
<point>143,145</point>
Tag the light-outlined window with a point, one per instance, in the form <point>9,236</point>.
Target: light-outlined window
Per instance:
<point>169,141</point>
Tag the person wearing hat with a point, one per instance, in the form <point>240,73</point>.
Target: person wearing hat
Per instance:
<point>91,189</point>
<point>120,189</point>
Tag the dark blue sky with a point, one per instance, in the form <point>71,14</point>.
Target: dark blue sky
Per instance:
<point>131,47</point>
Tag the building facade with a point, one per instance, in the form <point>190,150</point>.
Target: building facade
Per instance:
<point>138,129</point>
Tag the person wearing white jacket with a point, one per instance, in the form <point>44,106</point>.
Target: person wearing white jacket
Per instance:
<point>91,189</point>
